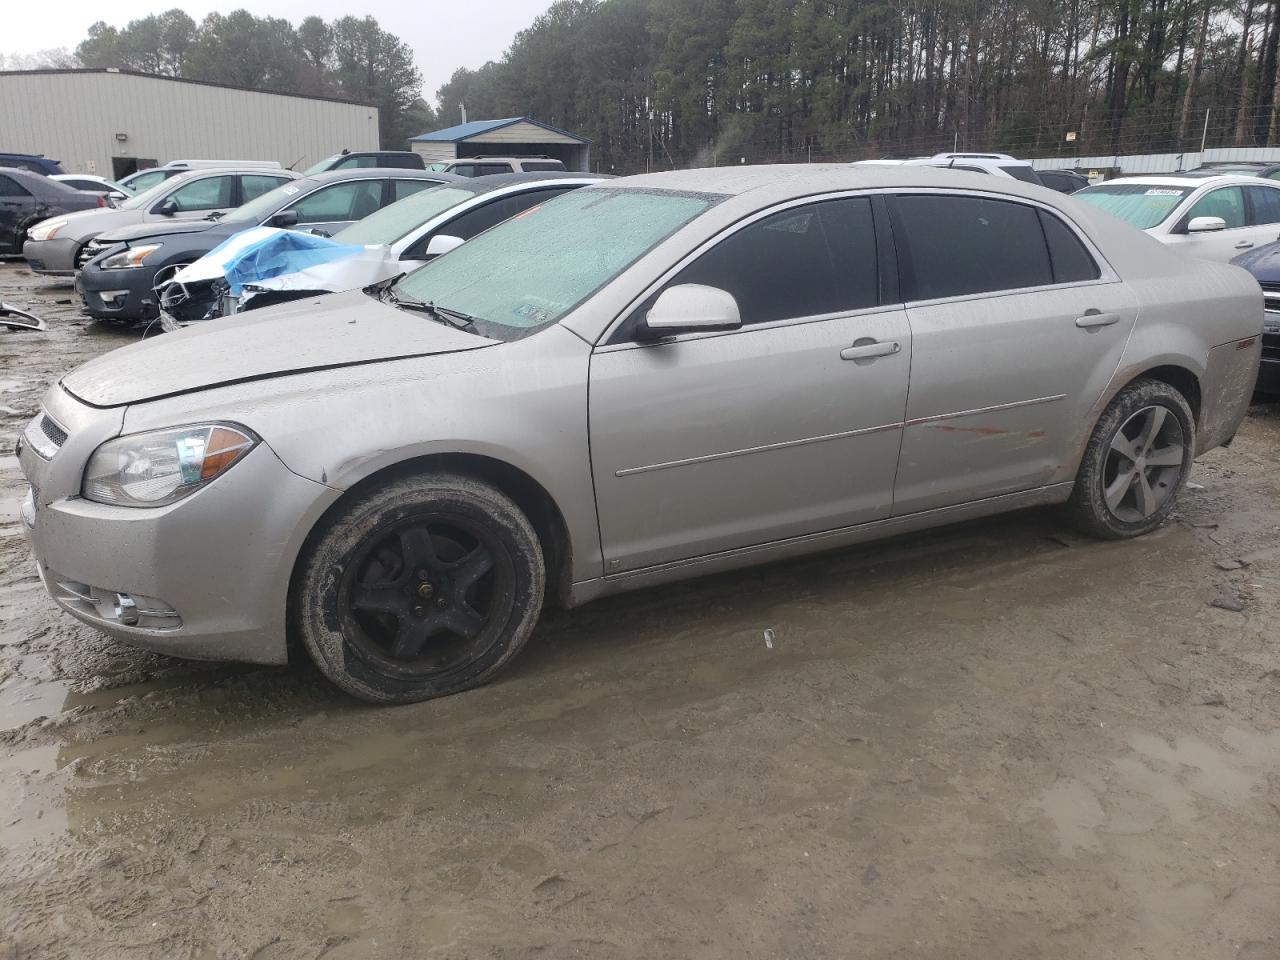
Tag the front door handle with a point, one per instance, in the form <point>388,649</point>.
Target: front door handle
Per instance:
<point>1244,244</point>
<point>868,349</point>
<point>1096,318</point>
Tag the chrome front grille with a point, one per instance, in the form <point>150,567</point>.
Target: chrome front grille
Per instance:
<point>89,251</point>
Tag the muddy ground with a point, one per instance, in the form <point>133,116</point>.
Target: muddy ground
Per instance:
<point>996,741</point>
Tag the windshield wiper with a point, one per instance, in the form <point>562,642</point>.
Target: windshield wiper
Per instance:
<point>454,318</point>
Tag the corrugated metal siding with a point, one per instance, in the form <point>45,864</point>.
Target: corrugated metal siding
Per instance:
<point>1158,162</point>
<point>520,133</point>
<point>75,117</point>
<point>431,152</point>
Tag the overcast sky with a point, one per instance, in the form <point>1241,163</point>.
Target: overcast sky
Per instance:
<point>444,36</point>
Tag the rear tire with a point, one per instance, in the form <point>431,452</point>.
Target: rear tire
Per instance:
<point>1135,464</point>
<point>423,587</point>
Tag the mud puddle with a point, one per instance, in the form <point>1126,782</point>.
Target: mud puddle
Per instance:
<point>1000,740</point>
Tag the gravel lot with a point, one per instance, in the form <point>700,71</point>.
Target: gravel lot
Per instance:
<point>999,740</point>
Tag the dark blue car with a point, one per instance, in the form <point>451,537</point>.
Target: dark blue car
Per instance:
<point>35,162</point>
<point>1264,264</point>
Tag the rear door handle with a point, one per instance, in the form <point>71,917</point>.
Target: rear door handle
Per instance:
<point>1244,244</point>
<point>1096,318</point>
<point>869,350</point>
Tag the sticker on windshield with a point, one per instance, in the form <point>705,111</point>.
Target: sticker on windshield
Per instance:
<point>1163,192</point>
<point>290,189</point>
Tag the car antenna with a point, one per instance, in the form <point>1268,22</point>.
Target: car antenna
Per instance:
<point>295,163</point>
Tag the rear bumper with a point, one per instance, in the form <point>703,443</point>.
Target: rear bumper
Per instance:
<point>1226,390</point>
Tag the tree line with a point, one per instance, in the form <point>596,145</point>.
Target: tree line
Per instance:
<point>661,83</point>
<point>350,58</point>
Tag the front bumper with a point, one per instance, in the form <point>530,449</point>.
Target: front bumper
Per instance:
<point>56,257</point>
<point>124,294</point>
<point>1269,365</point>
<point>207,576</point>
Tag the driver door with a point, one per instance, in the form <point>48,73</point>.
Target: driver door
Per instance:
<point>790,425</point>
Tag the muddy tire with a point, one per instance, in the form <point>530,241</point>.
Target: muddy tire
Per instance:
<point>1135,464</point>
<point>425,586</point>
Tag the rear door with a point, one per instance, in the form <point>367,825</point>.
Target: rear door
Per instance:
<point>16,205</point>
<point>1263,202</point>
<point>786,427</point>
<point>1017,326</point>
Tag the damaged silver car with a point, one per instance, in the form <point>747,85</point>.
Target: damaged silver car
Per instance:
<point>640,381</point>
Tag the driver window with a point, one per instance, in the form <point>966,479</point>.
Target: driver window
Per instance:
<point>353,200</point>
<point>1225,202</point>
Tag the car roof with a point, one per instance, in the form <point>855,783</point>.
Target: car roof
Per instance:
<point>803,179</point>
<point>498,181</point>
<point>1187,179</point>
<point>374,173</point>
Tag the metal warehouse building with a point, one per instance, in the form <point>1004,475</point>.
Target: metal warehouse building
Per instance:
<point>112,122</point>
<point>513,137</point>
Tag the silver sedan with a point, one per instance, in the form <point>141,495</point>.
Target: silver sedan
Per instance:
<point>641,381</point>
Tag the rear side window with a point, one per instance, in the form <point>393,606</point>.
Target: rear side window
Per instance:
<point>1018,172</point>
<point>967,245</point>
<point>489,169</point>
<point>1070,259</point>
<point>407,188</point>
<point>802,262</point>
<point>1265,202</point>
<point>254,185</point>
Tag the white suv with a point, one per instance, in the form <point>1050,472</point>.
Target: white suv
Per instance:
<point>487,166</point>
<point>995,164</point>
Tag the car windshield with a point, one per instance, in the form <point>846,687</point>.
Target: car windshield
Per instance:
<point>322,166</point>
<point>395,220</point>
<point>528,272</point>
<point>148,197</point>
<point>261,207</point>
<point>1142,204</point>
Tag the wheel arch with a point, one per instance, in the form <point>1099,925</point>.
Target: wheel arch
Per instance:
<point>528,494</point>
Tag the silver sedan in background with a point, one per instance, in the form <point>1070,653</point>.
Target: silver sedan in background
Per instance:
<point>640,381</point>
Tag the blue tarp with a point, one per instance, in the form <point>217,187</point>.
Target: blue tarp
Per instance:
<point>281,251</point>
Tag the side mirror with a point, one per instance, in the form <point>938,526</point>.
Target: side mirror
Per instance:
<point>691,307</point>
<point>167,208</point>
<point>1206,224</point>
<point>284,219</point>
<point>441,243</point>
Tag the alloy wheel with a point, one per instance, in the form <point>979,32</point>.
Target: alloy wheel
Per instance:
<point>1144,464</point>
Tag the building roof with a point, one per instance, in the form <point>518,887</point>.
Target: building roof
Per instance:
<point>53,71</point>
<point>473,128</point>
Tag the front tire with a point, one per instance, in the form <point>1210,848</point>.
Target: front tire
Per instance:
<point>1135,464</point>
<point>423,587</point>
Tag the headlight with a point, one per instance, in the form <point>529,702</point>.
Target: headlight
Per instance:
<point>46,230</point>
<point>161,467</point>
<point>129,257</point>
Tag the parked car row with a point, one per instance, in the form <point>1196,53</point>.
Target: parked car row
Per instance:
<point>637,381</point>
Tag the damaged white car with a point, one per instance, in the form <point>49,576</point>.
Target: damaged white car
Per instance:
<point>401,237</point>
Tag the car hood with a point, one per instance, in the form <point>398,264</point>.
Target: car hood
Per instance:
<point>167,228</point>
<point>335,331</point>
<point>89,223</point>
<point>1263,263</point>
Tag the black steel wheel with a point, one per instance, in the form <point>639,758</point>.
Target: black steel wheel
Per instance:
<point>420,588</point>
